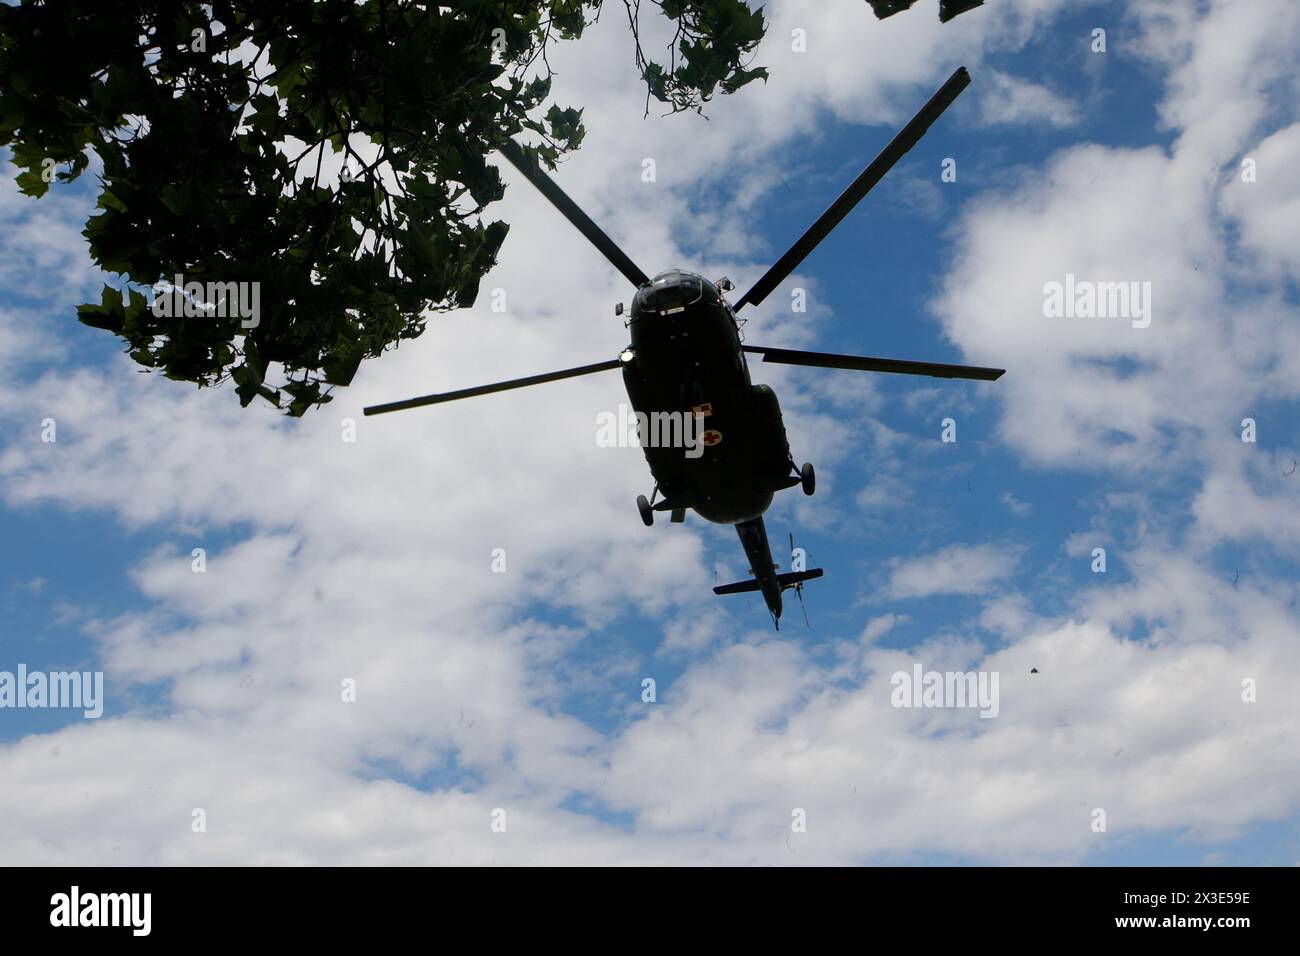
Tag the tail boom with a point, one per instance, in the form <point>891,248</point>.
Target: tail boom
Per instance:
<point>753,537</point>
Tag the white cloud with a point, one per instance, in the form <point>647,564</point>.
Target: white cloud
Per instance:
<point>877,627</point>
<point>1017,507</point>
<point>1264,200</point>
<point>768,730</point>
<point>957,569</point>
<point>1011,100</point>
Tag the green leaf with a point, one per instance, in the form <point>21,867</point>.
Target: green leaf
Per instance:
<point>198,179</point>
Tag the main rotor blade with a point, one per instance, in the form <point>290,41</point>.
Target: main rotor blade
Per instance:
<point>867,363</point>
<point>907,137</point>
<point>489,389</point>
<point>573,212</point>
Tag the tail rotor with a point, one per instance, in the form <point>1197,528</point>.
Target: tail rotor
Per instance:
<point>798,585</point>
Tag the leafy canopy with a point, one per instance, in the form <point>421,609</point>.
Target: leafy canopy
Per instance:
<point>213,123</point>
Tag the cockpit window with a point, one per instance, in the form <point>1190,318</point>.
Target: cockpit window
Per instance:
<point>671,292</point>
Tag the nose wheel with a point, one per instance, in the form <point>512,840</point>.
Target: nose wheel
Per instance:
<point>808,478</point>
<point>647,514</point>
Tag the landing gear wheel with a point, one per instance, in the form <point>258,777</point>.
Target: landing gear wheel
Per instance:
<point>808,478</point>
<point>643,506</point>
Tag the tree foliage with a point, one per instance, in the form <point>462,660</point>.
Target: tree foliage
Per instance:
<point>213,123</point>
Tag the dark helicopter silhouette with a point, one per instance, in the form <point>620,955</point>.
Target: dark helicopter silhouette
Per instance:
<point>686,356</point>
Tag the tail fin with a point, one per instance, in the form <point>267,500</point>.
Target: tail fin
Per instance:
<point>787,581</point>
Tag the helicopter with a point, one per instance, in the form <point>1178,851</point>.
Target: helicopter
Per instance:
<point>687,356</point>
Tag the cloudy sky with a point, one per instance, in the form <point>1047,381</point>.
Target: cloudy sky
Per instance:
<point>1167,159</point>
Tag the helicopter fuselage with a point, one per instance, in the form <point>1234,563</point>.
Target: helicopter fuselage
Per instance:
<point>686,358</point>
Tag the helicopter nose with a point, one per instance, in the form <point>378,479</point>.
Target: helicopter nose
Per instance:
<point>669,293</point>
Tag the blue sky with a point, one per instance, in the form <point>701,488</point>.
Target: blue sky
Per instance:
<point>521,691</point>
